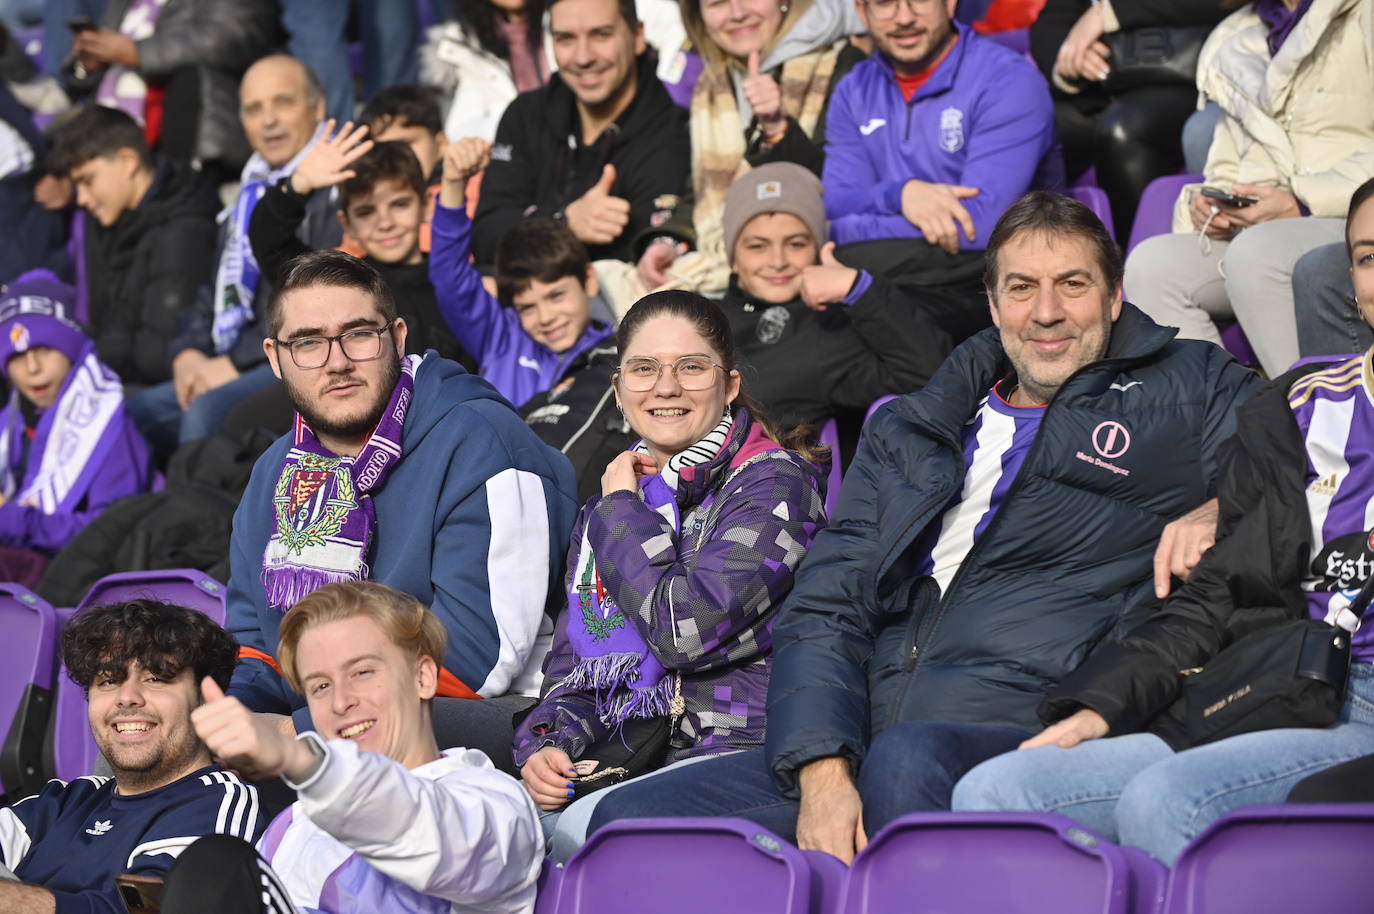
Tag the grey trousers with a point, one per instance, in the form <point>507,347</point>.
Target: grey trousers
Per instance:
<point>1324,299</point>
<point>1248,279</point>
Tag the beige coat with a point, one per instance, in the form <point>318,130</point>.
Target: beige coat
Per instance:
<point>1302,120</point>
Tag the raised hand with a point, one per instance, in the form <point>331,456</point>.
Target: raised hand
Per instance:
<point>596,217</point>
<point>256,745</point>
<point>462,159</point>
<point>654,263</point>
<point>624,472</point>
<point>828,282</point>
<point>936,210</point>
<point>326,164</point>
<point>764,96</point>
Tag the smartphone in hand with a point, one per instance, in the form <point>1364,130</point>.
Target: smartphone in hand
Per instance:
<point>1221,196</point>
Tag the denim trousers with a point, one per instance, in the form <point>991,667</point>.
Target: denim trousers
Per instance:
<point>1135,790</point>
<point>911,767</point>
<point>165,426</point>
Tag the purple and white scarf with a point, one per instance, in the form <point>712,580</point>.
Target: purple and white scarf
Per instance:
<point>123,87</point>
<point>322,510</point>
<point>71,440</point>
<point>613,661</point>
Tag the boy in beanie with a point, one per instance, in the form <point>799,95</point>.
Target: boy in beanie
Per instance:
<point>67,450</point>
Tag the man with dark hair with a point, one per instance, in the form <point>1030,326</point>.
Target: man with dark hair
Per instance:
<point>408,471</point>
<point>602,146</point>
<point>995,527</point>
<point>141,664</point>
<point>149,243</point>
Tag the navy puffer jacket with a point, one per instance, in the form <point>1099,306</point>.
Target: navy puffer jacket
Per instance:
<point>1128,444</point>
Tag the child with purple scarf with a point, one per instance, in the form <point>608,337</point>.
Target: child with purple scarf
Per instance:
<point>676,571</point>
<point>67,450</point>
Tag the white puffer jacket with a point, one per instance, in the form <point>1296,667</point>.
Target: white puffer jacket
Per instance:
<point>1302,120</point>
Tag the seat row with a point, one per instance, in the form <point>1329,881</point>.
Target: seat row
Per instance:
<point>42,712</point>
<point>1261,860</point>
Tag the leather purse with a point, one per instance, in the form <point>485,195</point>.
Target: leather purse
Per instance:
<point>1153,56</point>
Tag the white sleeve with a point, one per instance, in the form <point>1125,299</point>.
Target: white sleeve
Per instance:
<point>14,839</point>
<point>471,836</point>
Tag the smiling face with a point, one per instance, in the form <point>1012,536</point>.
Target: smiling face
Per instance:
<point>911,34</point>
<point>595,49</point>
<point>387,222</point>
<point>38,374</point>
<point>142,725</point>
<point>360,686</point>
<point>740,27</point>
<point>1054,308</point>
<point>555,314</point>
<point>669,418</point>
<point>770,254</point>
<point>343,399</point>
<point>277,109</point>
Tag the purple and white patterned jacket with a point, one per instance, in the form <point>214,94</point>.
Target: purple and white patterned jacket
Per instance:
<point>703,599</point>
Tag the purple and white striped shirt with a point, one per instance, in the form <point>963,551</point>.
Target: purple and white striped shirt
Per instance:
<point>996,442</point>
<point>1334,410</point>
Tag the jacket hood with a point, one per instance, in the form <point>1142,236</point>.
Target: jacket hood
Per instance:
<point>956,389</point>
<point>441,388</point>
<point>747,440</point>
<point>650,105</point>
<point>177,192</point>
<point>823,24</point>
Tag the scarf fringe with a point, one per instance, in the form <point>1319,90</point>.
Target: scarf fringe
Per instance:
<point>287,586</point>
<point>613,679</point>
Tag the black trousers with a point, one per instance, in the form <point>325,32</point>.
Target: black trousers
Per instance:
<point>221,874</point>
<point>1348,782</point>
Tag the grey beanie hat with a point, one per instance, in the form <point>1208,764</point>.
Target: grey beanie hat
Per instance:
<point>779,187</point>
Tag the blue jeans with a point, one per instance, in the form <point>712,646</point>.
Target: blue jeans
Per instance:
<point>1136,790</point>
<point>165,426</point>
<point>391,35</point>
<point>1324,303</point>
<point>1197,137</point>
<point>911,767</point>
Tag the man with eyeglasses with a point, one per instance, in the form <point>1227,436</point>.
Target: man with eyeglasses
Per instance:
<point>407,471</point>
<point>933,137</point>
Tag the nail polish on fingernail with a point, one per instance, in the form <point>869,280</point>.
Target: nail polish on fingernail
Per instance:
<point>571,791</point>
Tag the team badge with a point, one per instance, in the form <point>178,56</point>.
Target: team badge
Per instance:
<point>19,337</point>
<point>772,323</point>
<point>312,499</point>
<point>591,593</point>
<point>951,130</point>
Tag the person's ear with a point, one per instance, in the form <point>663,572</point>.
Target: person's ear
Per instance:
<point>592,284</point>
<point>399,332</point>
<point>992,307</point>
<point>343,220</point>
<point>319,108</point>
<point>269,348</point>
<point>1116,302</point>
<point>640,43</point>
<point>129,161</point>
<point>426,678</point>
<point>732,384</point>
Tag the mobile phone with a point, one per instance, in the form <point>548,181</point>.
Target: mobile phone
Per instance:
<point>79,24</point>
<point>1222,196</point>
<point>141,894</point>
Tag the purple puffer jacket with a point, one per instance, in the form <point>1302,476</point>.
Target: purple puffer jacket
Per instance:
<point>704,599</point>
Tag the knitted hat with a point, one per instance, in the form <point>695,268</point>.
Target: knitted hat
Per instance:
<point>779,187</point>
<point>33,312</point>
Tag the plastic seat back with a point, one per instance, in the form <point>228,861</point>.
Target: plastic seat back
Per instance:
<point>1155,215</point>
<point>30,630</point>
<point>1095,199</point>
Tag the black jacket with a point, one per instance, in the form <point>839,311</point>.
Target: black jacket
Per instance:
<point>864,642</point>
<point>539,163</point>
<point>578,416</point>
<point>142,273</point>
<point>802,366</point>
<point>272,231</point>
<point>1249,580</point>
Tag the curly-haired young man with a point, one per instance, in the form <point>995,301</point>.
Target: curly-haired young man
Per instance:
<point>141,664</point>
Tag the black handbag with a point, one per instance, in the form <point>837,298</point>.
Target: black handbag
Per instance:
<point>636,747</point>
<point>1287,675</point>
<point>1153,56</point>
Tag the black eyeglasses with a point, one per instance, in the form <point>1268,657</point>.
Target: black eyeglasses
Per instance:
<point>361,345</point>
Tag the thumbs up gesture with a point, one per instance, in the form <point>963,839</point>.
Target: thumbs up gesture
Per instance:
<point>828,282</point>
<point>764,96</point>
<point>258,746</point>
<point>597,217</point>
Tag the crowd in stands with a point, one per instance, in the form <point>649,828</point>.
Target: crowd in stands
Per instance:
<point>486,350</point>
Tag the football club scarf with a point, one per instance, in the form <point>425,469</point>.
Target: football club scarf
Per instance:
<point>613,660</point>
<point>322,512</point>
<point>237,277</point>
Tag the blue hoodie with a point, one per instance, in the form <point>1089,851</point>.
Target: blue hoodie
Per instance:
<point>473,521</point>
<point>506,355</point>
<point>983,119</point>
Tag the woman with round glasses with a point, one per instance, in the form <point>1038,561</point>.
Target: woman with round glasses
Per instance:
<point>674,572</point>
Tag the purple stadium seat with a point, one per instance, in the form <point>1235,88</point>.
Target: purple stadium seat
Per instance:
<point>1277,860</point>
<point>689,71</point>
<point>687,866</point>
<point>1017,40</point>
<point>1095,199</point>
<point>72,747</point>
<point>550,880</point>
<point>886,398</point>
<point>999,863</point>
<point>1155,216</point>
<point>1238,344</point>
<point>26,684</point>
<point>830,437</point>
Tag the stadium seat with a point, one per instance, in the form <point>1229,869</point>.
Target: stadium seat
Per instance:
<point>73,750</point>
<point>1277,860</point>
<point>999,863</point>
<point>877,403</point>
<point>550,879</point>
<point>26,687</point>
<point>830,437</point>
<point>686,866</point>
<point>1235,341</point>
<point>1095,199</point>
<point>1155,216</point>
<point>1017,40</point>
